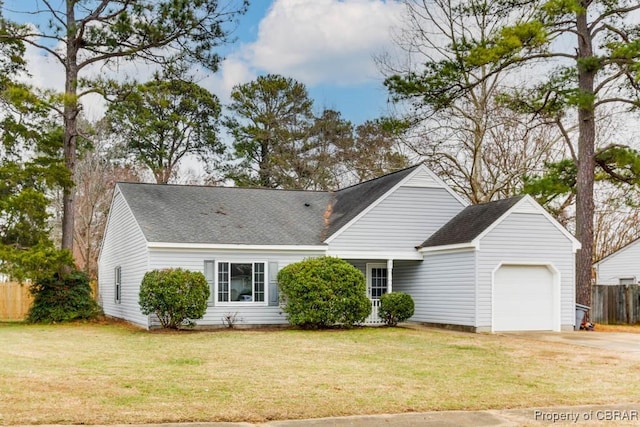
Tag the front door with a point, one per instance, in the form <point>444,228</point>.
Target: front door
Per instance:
<point>376,287</point>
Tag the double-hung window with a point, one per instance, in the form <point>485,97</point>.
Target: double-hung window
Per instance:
<point>241,282</point>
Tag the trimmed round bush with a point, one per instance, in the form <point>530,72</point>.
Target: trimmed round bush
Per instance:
<point>395,307</point>
<point>323,292</point>
<point>63,297</point>
<point>177,297</point>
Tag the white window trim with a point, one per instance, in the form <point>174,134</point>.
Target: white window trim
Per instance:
<point>246,303</point>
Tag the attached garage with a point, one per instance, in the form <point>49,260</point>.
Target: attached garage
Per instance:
<point>525,297</point>
<point>520,266</point>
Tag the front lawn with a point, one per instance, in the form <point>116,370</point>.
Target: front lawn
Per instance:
<point>112,373</point>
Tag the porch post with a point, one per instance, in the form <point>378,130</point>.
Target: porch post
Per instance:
<point>389,276</point>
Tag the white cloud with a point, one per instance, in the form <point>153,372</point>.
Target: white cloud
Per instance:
<point>323,41</point>
<point>233,71</point>
<point>313,41</point>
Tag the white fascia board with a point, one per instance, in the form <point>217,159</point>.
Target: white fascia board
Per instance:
<point>116,191</point>
<point>457,247</point>
<point>538,210</point>
<point>400,255</point>
<point>238,247</point>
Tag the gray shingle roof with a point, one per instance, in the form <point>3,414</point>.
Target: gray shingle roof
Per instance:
<point>470,223</point>
<point>251,216</point>
<point>224,215</point>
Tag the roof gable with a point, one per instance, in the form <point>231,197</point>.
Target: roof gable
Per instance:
<point>476,221</point>
<point>349,202</point>
<point>470,223</point>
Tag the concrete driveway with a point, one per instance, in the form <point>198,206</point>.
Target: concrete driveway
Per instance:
<point>623,343</point>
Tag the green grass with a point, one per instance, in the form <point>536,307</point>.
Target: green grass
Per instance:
<point>112,373</point>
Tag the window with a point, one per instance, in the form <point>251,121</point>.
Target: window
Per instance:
<point>377,281</point>
<point>118,284</point>
<point>241,282</point>
<point>627,280</point>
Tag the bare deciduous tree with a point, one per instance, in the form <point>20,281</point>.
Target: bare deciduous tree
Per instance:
<point>475,144</point>
<point>95,177</point>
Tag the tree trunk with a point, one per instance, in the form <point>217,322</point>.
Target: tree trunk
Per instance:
<point>71,111</point>
<point>586,163</point>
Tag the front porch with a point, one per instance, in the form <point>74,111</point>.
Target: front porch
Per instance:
<point>379,276</point>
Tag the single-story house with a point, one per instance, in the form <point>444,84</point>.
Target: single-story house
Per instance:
<point>622,267</point>
<point>499,266</point>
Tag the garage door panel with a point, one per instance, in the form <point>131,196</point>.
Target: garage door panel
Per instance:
<point>523,298</point>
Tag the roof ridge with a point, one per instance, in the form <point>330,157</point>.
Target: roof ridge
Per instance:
<point>378,177</point>
<point>519,196</point>
<point>226,187</point>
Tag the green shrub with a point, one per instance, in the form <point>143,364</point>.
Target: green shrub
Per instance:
<point>322,292</point>
<point>395,307</point>
<point>62,298</point>
<point>176,296</point>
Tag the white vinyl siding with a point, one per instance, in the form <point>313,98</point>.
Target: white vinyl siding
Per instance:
<point>442,287</point>
<point>526,238</point>
<point>422,178</point>
<point>623,264</point>
<point>247,313</point>
<point>402,221</point>
<point>125,247</point>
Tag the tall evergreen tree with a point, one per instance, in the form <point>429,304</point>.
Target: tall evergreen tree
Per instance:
<point>164,120</point>
<point>30,166</point>
<point>270,127</point>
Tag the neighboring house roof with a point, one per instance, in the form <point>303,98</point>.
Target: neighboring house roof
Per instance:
<point>618,251</point>
<point>249,216</point>
<point>470,223</point>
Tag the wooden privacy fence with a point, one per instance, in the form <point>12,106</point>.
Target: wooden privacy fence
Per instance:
<point>15,300</point>
<point>615,304</point>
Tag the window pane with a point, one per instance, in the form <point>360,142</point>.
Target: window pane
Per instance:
<point>378,282</point>
<point>223,281</point>
<point>258,282</point>
<point>241,282</point>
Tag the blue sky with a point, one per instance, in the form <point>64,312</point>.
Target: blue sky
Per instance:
<point>327,44</point>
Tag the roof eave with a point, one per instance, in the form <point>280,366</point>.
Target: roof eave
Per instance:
<point>474,245</point>
<point>237,247</point>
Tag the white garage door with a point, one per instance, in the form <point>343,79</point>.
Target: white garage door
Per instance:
<point>524,299</point>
